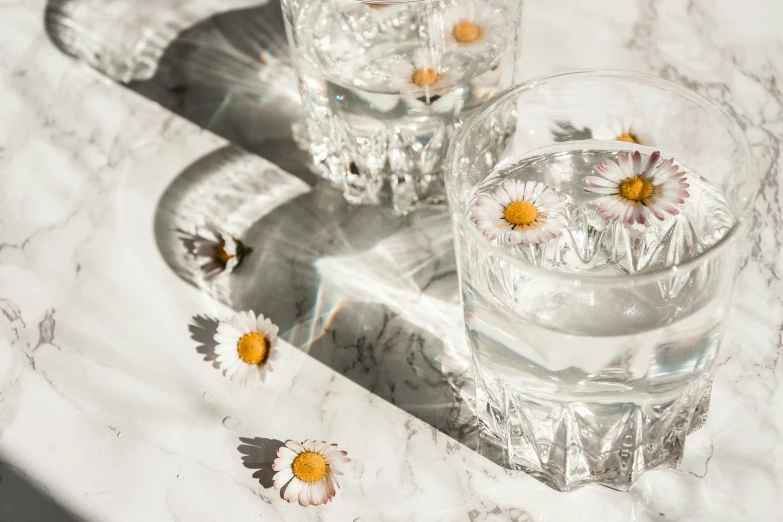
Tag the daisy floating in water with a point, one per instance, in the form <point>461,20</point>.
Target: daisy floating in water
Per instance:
<point>524,212</point>
<point>218,252</point>
<point>310,470</point>
<point>424,78</point>
<point>246,345</point>
<point>633,192</point>
<point>471,23</point>
<point>626,129</point>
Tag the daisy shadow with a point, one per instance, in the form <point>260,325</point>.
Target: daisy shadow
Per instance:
<point>567,131</point>
<point>202,330</point>
<point>259,454</point>
<point>188,239</point>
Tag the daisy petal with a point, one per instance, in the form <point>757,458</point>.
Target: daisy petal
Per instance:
<point>636,158</point>
<point>285,452</point>
<point>653,162</point>
<point>318,493</point>
<point>600,181</point>
<point>626,164</point>
<point>231,264</point>
<point>293,490</point>
<point>295,446</point>
<point>282,477</point>
<point>601,190</point>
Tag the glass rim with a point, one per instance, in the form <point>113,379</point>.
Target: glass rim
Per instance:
<point>730,124</point>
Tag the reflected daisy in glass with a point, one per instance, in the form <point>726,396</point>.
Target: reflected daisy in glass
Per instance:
<point>469,23</point>
<point>519,212</point>
<point>310,469</point>
<point>246,345</point>
<point>217,251</point>
<point>423,78</point>
<point>626,129</point>
<point>634,192</point>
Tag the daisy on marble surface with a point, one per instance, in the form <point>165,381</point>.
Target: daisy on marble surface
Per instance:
<point>246,346</point>
<point>633,192</point>
<point>310,469</point>
<point>217,251</point>
<point>521,212</point>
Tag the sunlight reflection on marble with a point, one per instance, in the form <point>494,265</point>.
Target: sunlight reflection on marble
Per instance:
<point>368,293</point>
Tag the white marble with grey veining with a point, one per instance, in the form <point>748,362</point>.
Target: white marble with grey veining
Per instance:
<point>108,408</point>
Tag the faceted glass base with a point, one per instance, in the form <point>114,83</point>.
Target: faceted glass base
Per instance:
<point>570,445</point>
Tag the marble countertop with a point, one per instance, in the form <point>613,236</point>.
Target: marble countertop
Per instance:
<point>108,410</point>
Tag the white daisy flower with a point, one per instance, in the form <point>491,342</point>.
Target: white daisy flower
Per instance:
<point>632,192</point>
<point>310,470</point>
<point>627,129</point>
<point>425,78</point>
<point>217,251</point>
<point>246,345</point>
<point>470,23</point>
<point>521,212</point>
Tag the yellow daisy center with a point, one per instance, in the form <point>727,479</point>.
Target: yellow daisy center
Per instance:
<point>253,348</point>
<point>424,77</point>
<point>521,213</point>
<point>628,138</point>
<point>466,32</point>
<point>221,252</point>
<point>636,188</point>
<point>310,466</point>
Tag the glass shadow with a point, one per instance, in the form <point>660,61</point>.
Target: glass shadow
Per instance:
<point>368,293</point>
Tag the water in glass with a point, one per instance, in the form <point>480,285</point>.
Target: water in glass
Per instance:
<point>385,85</point>
<point>598,378</point>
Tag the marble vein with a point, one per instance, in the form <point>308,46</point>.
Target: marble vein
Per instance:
<point>94,338</point>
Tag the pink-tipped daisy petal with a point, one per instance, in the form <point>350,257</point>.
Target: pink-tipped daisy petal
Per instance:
<point>636,192</point>
<point>308,468</point>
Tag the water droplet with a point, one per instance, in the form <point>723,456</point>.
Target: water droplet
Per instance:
<point>208,397</point>
<point>180,477</point>
<point>231,423</point>
<point>120,435</point>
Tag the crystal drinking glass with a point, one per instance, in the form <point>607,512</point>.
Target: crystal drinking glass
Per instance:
<point>598,220</point>
<point>384,86</point>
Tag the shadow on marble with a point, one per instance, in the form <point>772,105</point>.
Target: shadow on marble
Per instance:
<point>202,330</point>
<point>228,73</point>
<point>368,293</point>
<point>21,500</point>
<point>259,454</point>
